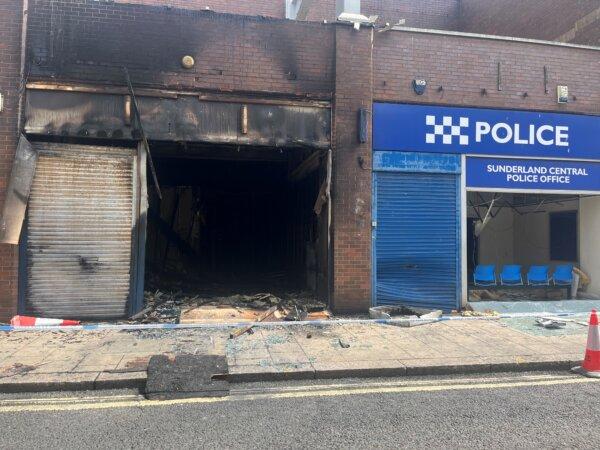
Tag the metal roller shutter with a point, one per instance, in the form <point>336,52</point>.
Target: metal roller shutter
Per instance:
<point>417,239</point>
<point>79,232</point>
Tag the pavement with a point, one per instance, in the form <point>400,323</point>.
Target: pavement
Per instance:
<point>34,361</point>
<point>535,410</point>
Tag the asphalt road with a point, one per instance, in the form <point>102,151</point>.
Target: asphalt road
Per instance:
<point>493,411</point>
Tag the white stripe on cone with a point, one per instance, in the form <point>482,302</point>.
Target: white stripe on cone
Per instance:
<point>26,321</point>
<point>593,341</point>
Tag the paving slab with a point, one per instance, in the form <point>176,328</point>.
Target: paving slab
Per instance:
<point>54,360</point>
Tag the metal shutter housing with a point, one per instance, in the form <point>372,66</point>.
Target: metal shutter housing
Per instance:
<point>79,232</point>
<point>417,235</point>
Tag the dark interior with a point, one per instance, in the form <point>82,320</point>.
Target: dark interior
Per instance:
<point>232,220</point>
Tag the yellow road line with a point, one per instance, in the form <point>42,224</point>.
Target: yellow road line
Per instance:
<point>308,392</point>
<point>73,399</point>
<point>478,380</point>
<point>405,389</point>
<point>280,389</point>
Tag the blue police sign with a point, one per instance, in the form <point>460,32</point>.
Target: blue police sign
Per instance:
<point>532,174</point>
<point>485,131</point>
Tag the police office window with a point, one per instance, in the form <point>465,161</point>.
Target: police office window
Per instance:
<point>563,236</point>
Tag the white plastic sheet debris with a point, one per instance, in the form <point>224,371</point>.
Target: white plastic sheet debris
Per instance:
<point>405,316</point>
<point>551,323</point>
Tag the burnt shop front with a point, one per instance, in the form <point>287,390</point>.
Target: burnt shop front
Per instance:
<point>433,166</point>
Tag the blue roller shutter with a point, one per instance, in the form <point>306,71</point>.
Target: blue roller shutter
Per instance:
<point>417,239</point>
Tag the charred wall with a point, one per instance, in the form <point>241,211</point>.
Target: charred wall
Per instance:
<point>10,59</point>
<point>89,41</point>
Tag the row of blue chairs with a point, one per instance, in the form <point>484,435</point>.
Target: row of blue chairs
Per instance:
<point>512,275</point>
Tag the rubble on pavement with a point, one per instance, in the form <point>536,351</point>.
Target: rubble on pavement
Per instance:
<point>406,316</point>
<point>486,313</point>
<point>179,307</point>
<point>548,293</point>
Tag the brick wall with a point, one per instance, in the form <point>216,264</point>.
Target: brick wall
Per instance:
<point>351,194</point>
<point>589,35</point>
<point>436,14</point>
<point>90,41</point>
<point>539,19</point>
<point>267,8</point>
<point>465,66</point>
<point>536,19</point>
<point>10,57</point>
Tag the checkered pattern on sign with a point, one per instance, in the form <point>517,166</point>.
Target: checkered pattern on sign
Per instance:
<point>447,131</point>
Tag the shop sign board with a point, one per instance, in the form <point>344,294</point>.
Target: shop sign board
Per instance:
<point>532,174</point>
<point>424,128</point>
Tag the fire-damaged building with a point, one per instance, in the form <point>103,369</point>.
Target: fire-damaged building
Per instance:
<point>373,152</point>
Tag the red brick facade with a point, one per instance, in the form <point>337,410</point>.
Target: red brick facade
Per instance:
<point>11,12</point>
<point>463,67</point>
<point>536,19</point>
<point>539,19</point>
<point>266,8</point>
<point>87,41</point>
<point>351,171</point>
<point>436,14</point>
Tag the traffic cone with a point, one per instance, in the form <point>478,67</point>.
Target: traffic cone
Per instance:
<point>591,362</point>
<point>26,321</point>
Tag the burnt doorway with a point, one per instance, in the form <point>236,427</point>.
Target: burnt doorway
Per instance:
<point>237,220</point>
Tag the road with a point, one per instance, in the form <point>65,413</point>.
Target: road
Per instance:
<point>492,411</point>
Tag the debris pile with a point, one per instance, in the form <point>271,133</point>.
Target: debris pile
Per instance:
<point>485,313</point>
<point>179,307</point>
<point>406,316</point>
<point>517,294</point>
<point>550,323</point>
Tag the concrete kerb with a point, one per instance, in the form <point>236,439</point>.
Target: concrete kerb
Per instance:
<point>403,370</point>
<point>137,380</point>
<point>81,381</point>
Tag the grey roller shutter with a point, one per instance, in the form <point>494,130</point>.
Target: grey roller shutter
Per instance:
<point>79,232</point>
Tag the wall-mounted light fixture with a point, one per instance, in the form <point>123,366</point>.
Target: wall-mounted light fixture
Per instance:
<point>187,62</point>
<point>562,94</point>
<point>1,102</point>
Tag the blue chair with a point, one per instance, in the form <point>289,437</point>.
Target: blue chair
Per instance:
<point>538,276</point>
<point>511,275</point>
<point>485,275</point>
<point>563,275</point>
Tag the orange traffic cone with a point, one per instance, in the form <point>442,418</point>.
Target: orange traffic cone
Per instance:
<point>26,321</point>
<point>591,362</point>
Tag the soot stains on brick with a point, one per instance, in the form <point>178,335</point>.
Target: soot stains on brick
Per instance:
<point>89,41</point>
